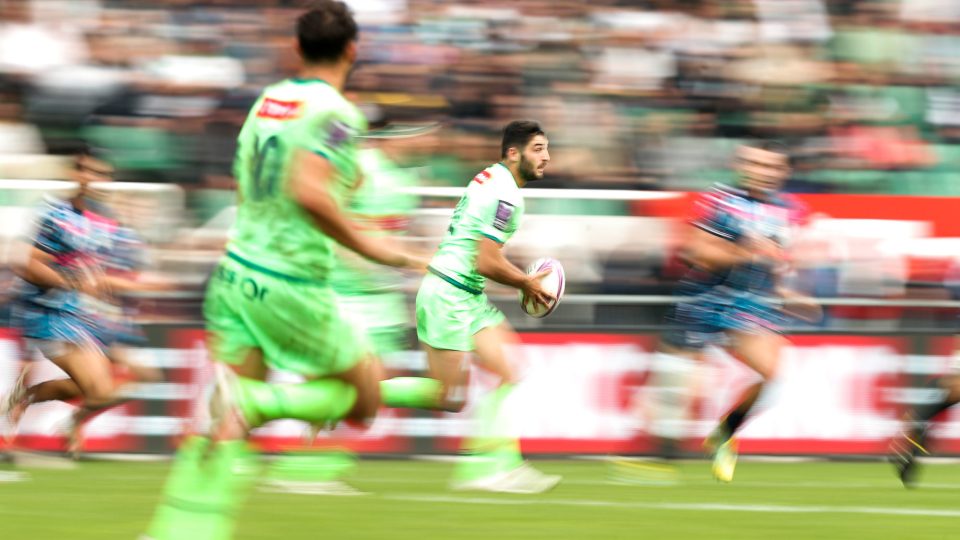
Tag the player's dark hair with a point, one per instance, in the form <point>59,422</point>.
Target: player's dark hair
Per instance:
<point>517,134</point>
<point>324,32</point>
<point>774,146</point>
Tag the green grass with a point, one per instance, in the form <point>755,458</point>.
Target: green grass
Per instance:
<point>409,500</point>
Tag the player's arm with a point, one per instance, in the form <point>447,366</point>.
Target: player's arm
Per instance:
<point>714,253</point>
<point>122,284</point>
<point>312,178</point>
<point>33,257</point>
<point>36,268</point>
<point>492,264</point>
<point>716,241</point>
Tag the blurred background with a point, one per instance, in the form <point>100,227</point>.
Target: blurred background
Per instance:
<point>643,102</point>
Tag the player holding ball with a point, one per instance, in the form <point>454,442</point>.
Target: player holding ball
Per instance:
<point>456,320</point>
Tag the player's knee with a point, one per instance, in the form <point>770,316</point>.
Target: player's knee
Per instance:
<point>768,371</point>
<point>98,395</point>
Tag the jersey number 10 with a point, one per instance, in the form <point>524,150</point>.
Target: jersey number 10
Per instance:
<point>265,181</point>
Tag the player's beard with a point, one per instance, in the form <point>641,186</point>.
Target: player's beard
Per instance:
<point>527,170</point>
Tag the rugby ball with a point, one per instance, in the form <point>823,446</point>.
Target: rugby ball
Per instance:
<point>553,283</point>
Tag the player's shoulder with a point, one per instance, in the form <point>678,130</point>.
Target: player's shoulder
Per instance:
<point>495,181</point>
<point>799,211</point>
<point>54,207</point>
<point>298,98</point>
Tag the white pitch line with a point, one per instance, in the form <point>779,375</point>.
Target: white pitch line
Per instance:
<point>690,507</point>
<point>13,476</point>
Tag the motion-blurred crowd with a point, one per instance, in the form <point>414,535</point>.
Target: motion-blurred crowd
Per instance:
<point>649,95</point>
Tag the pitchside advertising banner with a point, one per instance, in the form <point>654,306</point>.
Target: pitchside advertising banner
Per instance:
<point>581,393</point>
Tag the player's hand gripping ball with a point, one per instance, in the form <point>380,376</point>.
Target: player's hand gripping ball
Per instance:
<point>552,283</point>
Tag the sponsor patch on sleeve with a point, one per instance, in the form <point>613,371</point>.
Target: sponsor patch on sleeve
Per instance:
<point>503,215</point>
<point>338,133</point>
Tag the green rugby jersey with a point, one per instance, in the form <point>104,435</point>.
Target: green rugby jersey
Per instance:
<point>491,207</point>
<point>380,204</point>
<point>272,230</point>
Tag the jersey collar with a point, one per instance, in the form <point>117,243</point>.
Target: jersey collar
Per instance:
<point>500,163</point>
<point>302,80</point>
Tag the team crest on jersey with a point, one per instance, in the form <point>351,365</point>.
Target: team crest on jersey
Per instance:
<point>503,215</point>
<point>276,109</point>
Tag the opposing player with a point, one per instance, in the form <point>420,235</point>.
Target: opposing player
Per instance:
<point>269,304</point>
<point>456,321</point>
<point>736,253</point>
<point>66,305</point>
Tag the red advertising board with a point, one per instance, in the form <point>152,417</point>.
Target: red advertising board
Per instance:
<point>580,393</point>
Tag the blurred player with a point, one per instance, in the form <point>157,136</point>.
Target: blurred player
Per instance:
<point>269,303</point>
<point>65,305</point>
<point>455,320</point>
<point>370,295</point>
<point>736,253</point>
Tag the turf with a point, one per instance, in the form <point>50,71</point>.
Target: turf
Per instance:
<point>409,500</point>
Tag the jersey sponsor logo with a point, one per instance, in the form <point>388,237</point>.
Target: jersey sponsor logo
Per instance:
<point>276,109</point>
<point>503,215</point>
<point>482,177</point>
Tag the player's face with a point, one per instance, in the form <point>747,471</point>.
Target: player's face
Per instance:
<point>534,158</point>
<point>89,169</point>
<point>761,171</point>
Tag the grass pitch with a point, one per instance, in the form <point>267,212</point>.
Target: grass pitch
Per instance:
<point>409,500</point>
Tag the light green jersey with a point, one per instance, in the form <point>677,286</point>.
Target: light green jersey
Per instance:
<point>272,230</point>
<point>379,204</point>
<point>492,207</point>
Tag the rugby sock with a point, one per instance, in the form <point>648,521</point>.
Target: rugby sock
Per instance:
<point>202,496</point>
<point>314,401</point>
<point>734,419</point>
<point>491,449</point>
<point>411,392</point>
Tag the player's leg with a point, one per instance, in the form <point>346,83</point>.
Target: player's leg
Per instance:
<point>300,331</point>
<point>670,386</point>
<point>53,390</point>
<point>126,372</point>
<point>244,400</point>
<point>449,372</point>
<point>443,329</point>
<point>673,372</point>
<point>494,459</point>
<point>207,483</point>
<point>256,320</point>
<point>669,390</point>
<point>15,403</point>
<point>89,379</point>
<point>912,441</point>
<point>89,369</point>
<point>760,351</point>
